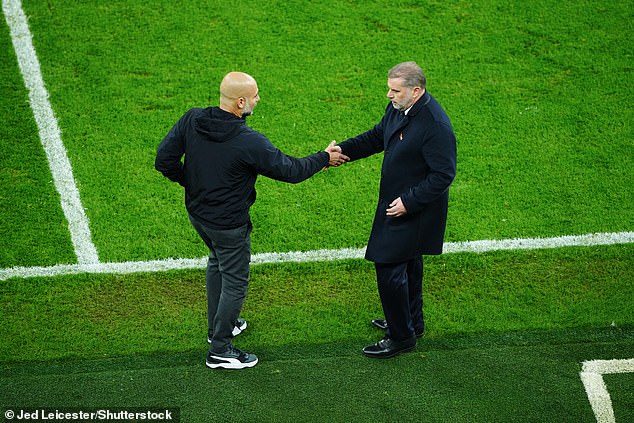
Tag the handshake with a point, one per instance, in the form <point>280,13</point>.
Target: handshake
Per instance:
<point>337,158</point>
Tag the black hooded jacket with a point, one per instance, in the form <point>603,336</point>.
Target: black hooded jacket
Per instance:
<point>223,158</point>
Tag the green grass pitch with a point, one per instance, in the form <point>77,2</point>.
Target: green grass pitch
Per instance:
<point>540,96</point>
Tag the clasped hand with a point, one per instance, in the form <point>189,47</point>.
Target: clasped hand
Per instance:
<point>337,158</point>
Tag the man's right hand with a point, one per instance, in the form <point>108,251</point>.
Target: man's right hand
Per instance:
<point>337,158</point>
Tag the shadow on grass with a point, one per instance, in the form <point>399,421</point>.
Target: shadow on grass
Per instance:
<point>343,350</point>
<point>505,377</point>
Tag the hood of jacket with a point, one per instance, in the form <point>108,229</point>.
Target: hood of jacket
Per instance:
<point>217,125</point>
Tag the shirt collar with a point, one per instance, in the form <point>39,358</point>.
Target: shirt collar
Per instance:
<point>422,102</point>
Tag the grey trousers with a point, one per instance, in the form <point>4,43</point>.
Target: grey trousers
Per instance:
<point>227,279</point>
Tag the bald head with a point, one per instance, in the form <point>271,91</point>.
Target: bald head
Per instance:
<point>238,93</point>
<point>237,84</point>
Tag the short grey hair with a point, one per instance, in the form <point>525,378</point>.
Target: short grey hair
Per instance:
<point>412,74</point>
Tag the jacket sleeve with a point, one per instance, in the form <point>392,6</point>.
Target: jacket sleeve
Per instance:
<point>366,144</point>
<point>271,162</point>
<point>439,152</point>
<point>170,152</point>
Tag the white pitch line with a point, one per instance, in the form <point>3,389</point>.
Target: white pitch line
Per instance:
<point>592,377</point>
<point>316,255</point>
<point>50,135</point>
<point>604,238</point>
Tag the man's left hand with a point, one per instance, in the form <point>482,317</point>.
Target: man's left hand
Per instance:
<point>397,208</point>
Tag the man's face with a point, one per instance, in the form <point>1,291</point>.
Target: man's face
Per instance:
<point>401,97</point>
<point>251,100</point>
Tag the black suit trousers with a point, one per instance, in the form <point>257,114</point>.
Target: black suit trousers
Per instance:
<point>401,291</point>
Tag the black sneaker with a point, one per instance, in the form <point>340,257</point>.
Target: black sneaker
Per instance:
<point>239,327</point>
<point>231,359</point>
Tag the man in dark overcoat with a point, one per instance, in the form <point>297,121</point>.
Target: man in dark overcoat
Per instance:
<point>419,164</point>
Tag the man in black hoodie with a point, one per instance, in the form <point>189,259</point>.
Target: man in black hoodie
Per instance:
<point>222,159</point>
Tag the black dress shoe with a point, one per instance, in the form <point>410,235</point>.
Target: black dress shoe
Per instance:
<point>387,347</point>
<point>382,324</point>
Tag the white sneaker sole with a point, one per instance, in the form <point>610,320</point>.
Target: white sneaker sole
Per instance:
<point>232,364</point>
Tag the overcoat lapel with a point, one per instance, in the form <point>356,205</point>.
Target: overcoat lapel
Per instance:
<point>399,123</point>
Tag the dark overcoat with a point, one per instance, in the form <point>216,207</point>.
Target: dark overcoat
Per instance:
<point>419,165</point>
